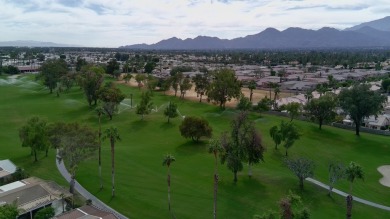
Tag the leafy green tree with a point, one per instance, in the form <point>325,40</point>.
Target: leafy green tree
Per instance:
<point>35,135</point>
<point>8,211</point>
<point>308,95</point>
<point>244,144</point>
<point>360,102</point>
<point>322,89</point>
<point>51,72</point>
<point>293,109</point>
<point>75,144</point>
<point>195,128</point>
<point>171,111</point>
<point>263,105</point>
<point>91,82</point>
<point>336,173</point>
<point>224,87</point>
<point>11,70</point>
<point>139,78</point>
<point>151,83</point>
<point>289,134</point>
<point>276,135</point>
<point>175,81</point>
<point>244,104</point>
<point>185,85</point>
<point>251,86</point>
<point>302,168</point>
<point>216,149</point>
<point>180,69</point>
<point>112,66</point>
<point>113,135</point>
<point>322,109</point>
<point>149,67</point>
<point>146,105</point>
<point>386,85</point>
<point>127,78</point>
<point>352,172</point>
<point>201,84</point>
<point>80,63</point>
<point>111,96</point>
<point>45,213</point>
<point>167,161</point>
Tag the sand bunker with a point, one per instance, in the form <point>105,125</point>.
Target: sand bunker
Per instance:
<point>385,171</point>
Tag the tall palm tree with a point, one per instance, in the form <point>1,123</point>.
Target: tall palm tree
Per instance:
<point>353,171</point>
<point>251,86</point>
<point>100,111</point>
<point>113,135</point>
<point>168,160</point>
<point>215,148</point>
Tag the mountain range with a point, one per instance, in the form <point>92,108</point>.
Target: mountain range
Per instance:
<point>366,35</point>
<point>31,43</point>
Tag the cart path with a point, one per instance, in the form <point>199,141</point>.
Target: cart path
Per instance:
<point>318,183</point>
<point>87,195</point>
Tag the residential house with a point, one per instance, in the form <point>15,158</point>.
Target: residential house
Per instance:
<point>32,194</point>
<point>7,168</point>
<point>86,212</point>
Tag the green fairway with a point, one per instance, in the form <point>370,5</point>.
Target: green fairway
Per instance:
<point>141,186</point>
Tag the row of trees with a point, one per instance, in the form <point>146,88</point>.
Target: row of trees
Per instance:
<point>74,143</point>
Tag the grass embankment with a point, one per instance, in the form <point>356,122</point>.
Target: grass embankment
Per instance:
<point>141,186</point>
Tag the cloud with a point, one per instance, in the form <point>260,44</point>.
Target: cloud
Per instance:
<point>121,22</point>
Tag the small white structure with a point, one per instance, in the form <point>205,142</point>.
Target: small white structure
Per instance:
<point>6,168</point>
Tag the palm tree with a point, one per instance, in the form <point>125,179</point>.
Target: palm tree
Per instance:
<point>353,171</point>
<point>251,87</point>
<point>100,111</point>
<point>308,95</point>
<point>168,160</point>
<point>113,135</point>
<point>215,148</point>
<point>276,93</point>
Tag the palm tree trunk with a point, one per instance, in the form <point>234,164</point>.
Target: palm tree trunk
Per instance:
<point>349,206</point>
<point>215,186</point>
<point>112,167</point>
<point>100,155</point>
<point>35,155</point>
<point>169,190</point>
<point>249,170</point>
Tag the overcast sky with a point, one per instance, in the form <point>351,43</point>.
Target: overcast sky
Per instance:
<point>113,23</point>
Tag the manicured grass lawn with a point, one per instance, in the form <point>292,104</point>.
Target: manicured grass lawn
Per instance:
<point>141,186</point>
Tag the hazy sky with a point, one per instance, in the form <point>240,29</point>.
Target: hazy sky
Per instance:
<point>112,23</point>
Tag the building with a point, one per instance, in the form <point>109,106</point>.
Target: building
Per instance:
<point>32,194</point>
<point>86,212</point>
<point>7,168</point>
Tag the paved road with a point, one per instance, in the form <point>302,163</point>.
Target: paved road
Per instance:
<point>95,201</point>
<point>318,183</point>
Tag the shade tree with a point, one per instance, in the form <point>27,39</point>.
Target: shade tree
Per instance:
<point>223,87</point>
<point>195,128</point>
<point>35,134</point>
<point>302,168</point>
<point>322,110</point>
<point>359,102</point>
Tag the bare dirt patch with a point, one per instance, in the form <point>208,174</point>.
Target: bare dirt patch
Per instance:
<point>191,94</point>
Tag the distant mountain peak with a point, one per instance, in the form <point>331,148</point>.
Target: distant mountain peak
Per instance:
<point>367,35</point>
<point>382,24</point>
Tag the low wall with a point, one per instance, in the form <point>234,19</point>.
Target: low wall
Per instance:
<point>362,129</point>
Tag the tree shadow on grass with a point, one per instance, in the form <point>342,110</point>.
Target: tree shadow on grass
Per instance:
<point>167,125</point>
<point>191,148</point>
<point>138,125</point>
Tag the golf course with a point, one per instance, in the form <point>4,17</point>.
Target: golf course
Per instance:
<point>141,179</point>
